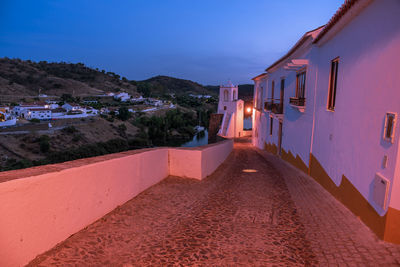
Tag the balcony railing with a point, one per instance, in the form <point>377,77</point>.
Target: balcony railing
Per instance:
<point>274,105</point>
<point>267,106</point>
<point>297,101</point>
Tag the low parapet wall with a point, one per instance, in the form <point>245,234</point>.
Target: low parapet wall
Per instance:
<point>42,206</point>
<point>198,162</point>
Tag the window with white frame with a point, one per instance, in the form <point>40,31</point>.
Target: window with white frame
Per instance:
<point>390,124</point>
<point>259,97</point>
<point>301,84</point>
<point>333,84</point>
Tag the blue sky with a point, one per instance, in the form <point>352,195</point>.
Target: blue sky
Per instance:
<point>208,41</point>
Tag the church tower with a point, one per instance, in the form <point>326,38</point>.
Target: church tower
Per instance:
<point>228,94</point>
<point>232,108</point>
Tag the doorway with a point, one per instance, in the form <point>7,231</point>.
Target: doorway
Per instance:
<point>280,138</point>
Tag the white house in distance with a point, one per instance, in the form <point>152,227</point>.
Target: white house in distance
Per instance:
<point>71,107</point>
<point>40,114</point>
<point>232,108</point>
<point>22,109</point>
<point>122,96</point>
<point>6,119</point>
<point>330,107</point>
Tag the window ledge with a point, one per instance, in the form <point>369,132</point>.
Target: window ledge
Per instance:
<point>299,108</point>
<point>389,140</point>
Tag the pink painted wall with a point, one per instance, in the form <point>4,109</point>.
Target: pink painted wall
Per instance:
<point>42,206</point>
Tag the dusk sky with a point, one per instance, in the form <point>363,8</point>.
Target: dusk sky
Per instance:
<point>206,41</point>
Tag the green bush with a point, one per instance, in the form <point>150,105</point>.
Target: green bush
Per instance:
<point>123,113</point>
<point>44,143</point>
<point>69,130</point>
<point>76,138</point>
<point>35,120</point>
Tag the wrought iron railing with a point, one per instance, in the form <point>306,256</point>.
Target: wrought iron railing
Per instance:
<point>296,101</point>
<point>274,105</point>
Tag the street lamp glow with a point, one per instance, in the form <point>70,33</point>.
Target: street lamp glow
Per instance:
<point>248,110</point>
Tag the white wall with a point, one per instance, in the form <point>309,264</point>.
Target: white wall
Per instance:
<point>349,140</point>
<point>43,206</point>
<point>198,162</point>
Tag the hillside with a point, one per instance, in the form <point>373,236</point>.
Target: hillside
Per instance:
<point>245,91</point>
<point>22,78</point>
<point>164,85</point>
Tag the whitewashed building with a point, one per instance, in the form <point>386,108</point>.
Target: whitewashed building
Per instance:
<point>57,113</point>
<point>6,119</point>
<point>40,114</point>
<point>122,96</point>
<point>232,108</point>
<point>22,109</point>
<point>71,107</point>
<point>330,107</point>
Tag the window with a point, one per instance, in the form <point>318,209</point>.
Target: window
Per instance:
<point>272,91</point>
<point>234,95</point>
<point>282,92</point>
<point>333,84</point>
<point>300,84</point>
<point>271,124</point>
<point>226,95</point>
<point>259,97</point>
<point>224,107</point>
<point>390,123</point>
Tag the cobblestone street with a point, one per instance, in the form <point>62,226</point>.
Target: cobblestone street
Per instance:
<point>255,210</point>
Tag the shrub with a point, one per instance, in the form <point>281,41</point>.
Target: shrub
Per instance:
<point>76,137</point>
<point>35,120</point>
<point>122,127</point>
<point>70,130</point>
<point>44,143</point>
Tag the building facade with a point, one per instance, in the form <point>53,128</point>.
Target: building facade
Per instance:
<point>40,114</point>
<point>330,107</point>
<point>232,108</point>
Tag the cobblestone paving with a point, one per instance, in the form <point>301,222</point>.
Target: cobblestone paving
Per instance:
<point>337,236</point>
<point>232,218</point>
<point>276,216</point>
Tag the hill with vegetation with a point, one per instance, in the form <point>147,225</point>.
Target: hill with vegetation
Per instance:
<point>245,91</point>
<point>22,78</point>
<point>164,85</point>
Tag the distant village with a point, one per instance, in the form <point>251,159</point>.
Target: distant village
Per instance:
<point>50,108</point>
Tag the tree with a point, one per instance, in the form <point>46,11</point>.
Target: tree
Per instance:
<point>67,98</point>
<point>123,113</point>
<point>144,89</point>
<point>44,143</point>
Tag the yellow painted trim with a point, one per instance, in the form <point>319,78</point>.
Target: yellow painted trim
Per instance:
<point>272,148</point>
<point>348,194</point>
<point>295,161</point>
<point>392,229</point>
<point>386,227</point>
